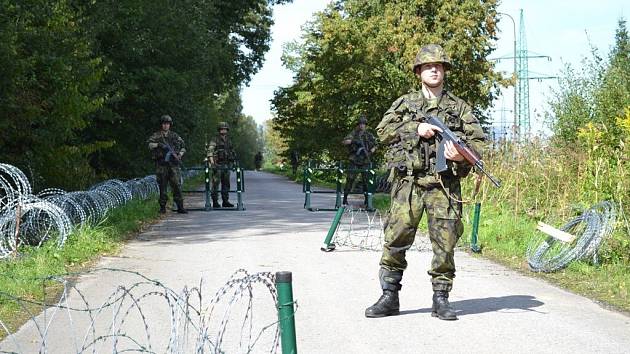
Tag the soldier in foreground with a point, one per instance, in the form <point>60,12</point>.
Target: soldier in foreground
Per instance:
<point>416,187</point>
<point>167,149</point>
<point>221,154</point>
<point>361,144</point>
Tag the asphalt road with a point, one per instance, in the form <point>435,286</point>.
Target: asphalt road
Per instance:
<point>500,311</point>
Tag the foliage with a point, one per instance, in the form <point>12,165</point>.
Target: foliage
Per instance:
<point>84,83</point>
<point>49,86</point>
<point>356,58</point>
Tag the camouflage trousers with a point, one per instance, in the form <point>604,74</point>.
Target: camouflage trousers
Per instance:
<point>410,198</point>
<point>223,177</point>
<point>169,175</point>
<point>352,176</point>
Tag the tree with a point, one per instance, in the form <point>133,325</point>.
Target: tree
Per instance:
<point>49,85</point>
<point>356,58</point>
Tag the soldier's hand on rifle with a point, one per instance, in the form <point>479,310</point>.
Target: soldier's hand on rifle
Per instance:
<point>451,153</point>
<point>346,142</point>
<point>427,130</point>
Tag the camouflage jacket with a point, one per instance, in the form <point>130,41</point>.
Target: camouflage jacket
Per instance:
<point>360,149</point>
<point>220,150</point>
<point>165,142</point>
<point>411,154</point>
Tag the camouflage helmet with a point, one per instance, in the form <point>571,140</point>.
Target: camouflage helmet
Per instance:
<point>166,119</point>
<point>431,53</point>
<point>223,125</point>
<point>362,119</point>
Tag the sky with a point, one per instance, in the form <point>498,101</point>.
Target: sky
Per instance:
<point>560,29</point>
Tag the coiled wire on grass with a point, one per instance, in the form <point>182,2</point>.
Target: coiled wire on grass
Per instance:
<point>548,254</point>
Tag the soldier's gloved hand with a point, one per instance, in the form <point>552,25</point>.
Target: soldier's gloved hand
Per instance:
<point>427,130</point>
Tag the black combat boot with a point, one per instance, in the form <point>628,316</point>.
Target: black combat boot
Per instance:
<point>215,203</point>
<point>387,304</point>
<point>345,199</point>
<point>162,209</point>
<point>227,204</point>
<point>442,309</point>
<point>181,209</point>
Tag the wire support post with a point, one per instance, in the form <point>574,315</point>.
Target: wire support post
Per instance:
<point>286,312</point>
<point>328,244</point>
<point>474,245</point>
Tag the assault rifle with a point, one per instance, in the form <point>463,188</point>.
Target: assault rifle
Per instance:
<point>362,149</point>
<point>468,153</point>
<point>171,156</point>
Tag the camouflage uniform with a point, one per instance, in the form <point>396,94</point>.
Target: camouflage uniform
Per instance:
<point>221,154</point>
<point>359,152</point>
<point>416,189</point>
<point>167,172</point>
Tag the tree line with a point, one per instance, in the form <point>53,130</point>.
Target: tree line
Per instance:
<point>356,57</point>
<point>83,84</point>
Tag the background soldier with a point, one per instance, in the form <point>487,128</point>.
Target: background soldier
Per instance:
<point>417,187</point>
<point>295,161</point>
<point>167,149</point>
<point>361,145</point>
<point>258,160</point>
<point>221,154</point>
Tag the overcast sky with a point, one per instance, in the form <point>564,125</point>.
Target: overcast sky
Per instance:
<point>560,29</point>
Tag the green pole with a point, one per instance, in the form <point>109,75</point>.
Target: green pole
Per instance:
<point>286,312</point>
<point>338,189</point>
<point>475,229</point>
<point>307,186</point>
<point>370,187</point>
<point>239,185</point>
<point>208,206</point>
<point>328,245</point>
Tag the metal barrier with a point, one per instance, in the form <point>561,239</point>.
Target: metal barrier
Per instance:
<point>208,190</point>
<point>339,169</point>
<point>240,185</point>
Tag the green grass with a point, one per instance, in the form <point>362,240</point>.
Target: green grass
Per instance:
<point>23,276</point>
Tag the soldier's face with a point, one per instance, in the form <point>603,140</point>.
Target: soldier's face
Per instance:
<point>362,126</point>
<point>166,126</point>
<point>222,131</point>
<point>432,74</point>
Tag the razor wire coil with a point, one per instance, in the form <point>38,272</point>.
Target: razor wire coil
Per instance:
<point>29,219</point>
<point>144,315</point>
<point>364,230</point>
<point>547,254</point>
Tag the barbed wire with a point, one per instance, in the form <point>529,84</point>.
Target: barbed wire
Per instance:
<point>28,219</point>
<point>547,254</point>
<point>363,230</point>
<point>146,316</point>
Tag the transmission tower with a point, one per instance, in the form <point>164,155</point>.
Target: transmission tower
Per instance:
<point>521,89</point>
